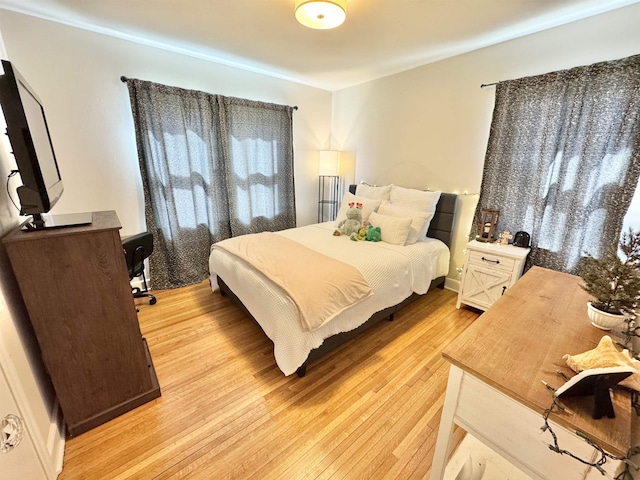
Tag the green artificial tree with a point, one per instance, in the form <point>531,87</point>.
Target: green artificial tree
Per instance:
<point>614,280</point>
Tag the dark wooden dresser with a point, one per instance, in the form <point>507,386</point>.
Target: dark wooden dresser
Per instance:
<point>75,286</point>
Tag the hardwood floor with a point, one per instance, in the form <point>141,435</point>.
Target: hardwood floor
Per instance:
<point>369,410</point>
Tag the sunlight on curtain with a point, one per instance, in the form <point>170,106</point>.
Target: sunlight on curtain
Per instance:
<point>212,167</point>
<point>257,160</point>
<point>556,219</point>
<point>261,194</point>
<point>563,159</point>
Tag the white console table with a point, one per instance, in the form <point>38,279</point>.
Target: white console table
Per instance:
<point>495,390</point>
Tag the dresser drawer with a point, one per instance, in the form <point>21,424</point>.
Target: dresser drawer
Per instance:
<point>492,260</point>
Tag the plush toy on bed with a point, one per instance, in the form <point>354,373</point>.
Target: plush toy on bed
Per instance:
<point>362,233</point>
<point>352,223</point>
<point>373,234</point>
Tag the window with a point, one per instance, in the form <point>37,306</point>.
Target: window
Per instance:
<point>212,167</point>
<point>563,159</point>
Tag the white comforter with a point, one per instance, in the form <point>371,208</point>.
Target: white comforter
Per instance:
<point>392,271</point>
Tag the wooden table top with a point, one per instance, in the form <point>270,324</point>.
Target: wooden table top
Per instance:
<point>520,341</point>
<point>104,220</point>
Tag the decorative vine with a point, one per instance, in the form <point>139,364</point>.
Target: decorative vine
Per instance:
<point>625,473</point>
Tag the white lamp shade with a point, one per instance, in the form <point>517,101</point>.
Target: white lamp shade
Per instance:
<point>321,14</point>
<point>329,163</point>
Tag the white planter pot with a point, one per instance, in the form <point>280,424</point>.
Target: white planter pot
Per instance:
<point>604,320</point>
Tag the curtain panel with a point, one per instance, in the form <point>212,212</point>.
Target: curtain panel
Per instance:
<point>212,167</point>
<point>563,159</point>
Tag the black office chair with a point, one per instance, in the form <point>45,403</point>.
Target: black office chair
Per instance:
<point>136,249</point>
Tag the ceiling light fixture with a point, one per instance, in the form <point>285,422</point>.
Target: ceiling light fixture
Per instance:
<point>321,14</point>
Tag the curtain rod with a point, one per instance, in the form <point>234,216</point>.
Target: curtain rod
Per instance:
<point>124,79</point>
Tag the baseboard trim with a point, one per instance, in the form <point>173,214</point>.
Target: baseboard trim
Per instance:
<point>452,284</point>
<point>55,444</point>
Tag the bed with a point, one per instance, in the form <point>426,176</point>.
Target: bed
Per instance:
<point>396,273</point>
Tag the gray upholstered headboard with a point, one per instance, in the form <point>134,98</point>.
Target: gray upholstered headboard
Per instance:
<point>441,226</point>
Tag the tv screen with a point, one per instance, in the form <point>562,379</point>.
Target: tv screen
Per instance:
<point>31,144</point>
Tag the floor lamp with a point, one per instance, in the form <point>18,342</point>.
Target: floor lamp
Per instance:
<point>328,185</point>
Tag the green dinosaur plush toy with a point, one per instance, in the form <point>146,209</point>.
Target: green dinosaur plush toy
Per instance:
<point>352,223</point>
<point>362,233</point>
<point>373,234</point>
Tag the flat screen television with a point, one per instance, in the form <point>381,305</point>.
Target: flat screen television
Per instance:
<point>32,148</point>
<point>31,144</point>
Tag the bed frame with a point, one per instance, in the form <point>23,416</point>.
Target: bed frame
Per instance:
<point>441,227</point>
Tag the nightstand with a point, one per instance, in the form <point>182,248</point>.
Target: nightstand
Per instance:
<point>489,269</point>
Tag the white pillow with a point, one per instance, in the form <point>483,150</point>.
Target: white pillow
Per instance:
<point>419,220</point>
<point>393,230</point>
<point>368,205</point>
<point>415,199</point>
<point>369,191</point>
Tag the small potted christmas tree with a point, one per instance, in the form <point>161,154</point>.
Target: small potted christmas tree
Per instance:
<point>614,282</point>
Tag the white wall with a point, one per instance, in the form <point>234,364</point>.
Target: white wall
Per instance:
<point>77,73</point>
<point>428,127</point>
<point>29,394</point>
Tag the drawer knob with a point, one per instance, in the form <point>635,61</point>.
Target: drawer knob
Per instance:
<point>489,260</point>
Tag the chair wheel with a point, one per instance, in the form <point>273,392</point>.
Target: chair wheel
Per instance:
<point>152,301</point>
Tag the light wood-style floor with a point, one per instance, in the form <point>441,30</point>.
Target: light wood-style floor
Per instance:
<point>369,410</point>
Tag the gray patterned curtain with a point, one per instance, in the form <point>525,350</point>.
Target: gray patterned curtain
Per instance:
<point>563,159</point>
<point>212,167</point>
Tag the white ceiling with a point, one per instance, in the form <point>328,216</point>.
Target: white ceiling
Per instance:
<point>379,37</point>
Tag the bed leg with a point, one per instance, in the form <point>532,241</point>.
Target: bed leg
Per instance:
<point>222,292</point>
<point>390,319</point>
<point>301,371</point>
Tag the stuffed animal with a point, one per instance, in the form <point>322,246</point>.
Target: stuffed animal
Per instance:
<point>352,223</point>
<point>373,234</point>
<point>362,233</point>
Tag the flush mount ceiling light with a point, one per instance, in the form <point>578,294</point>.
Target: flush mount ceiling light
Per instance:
<point>321,14</point>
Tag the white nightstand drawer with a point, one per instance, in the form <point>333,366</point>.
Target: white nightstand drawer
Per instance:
<point>492,260</point>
